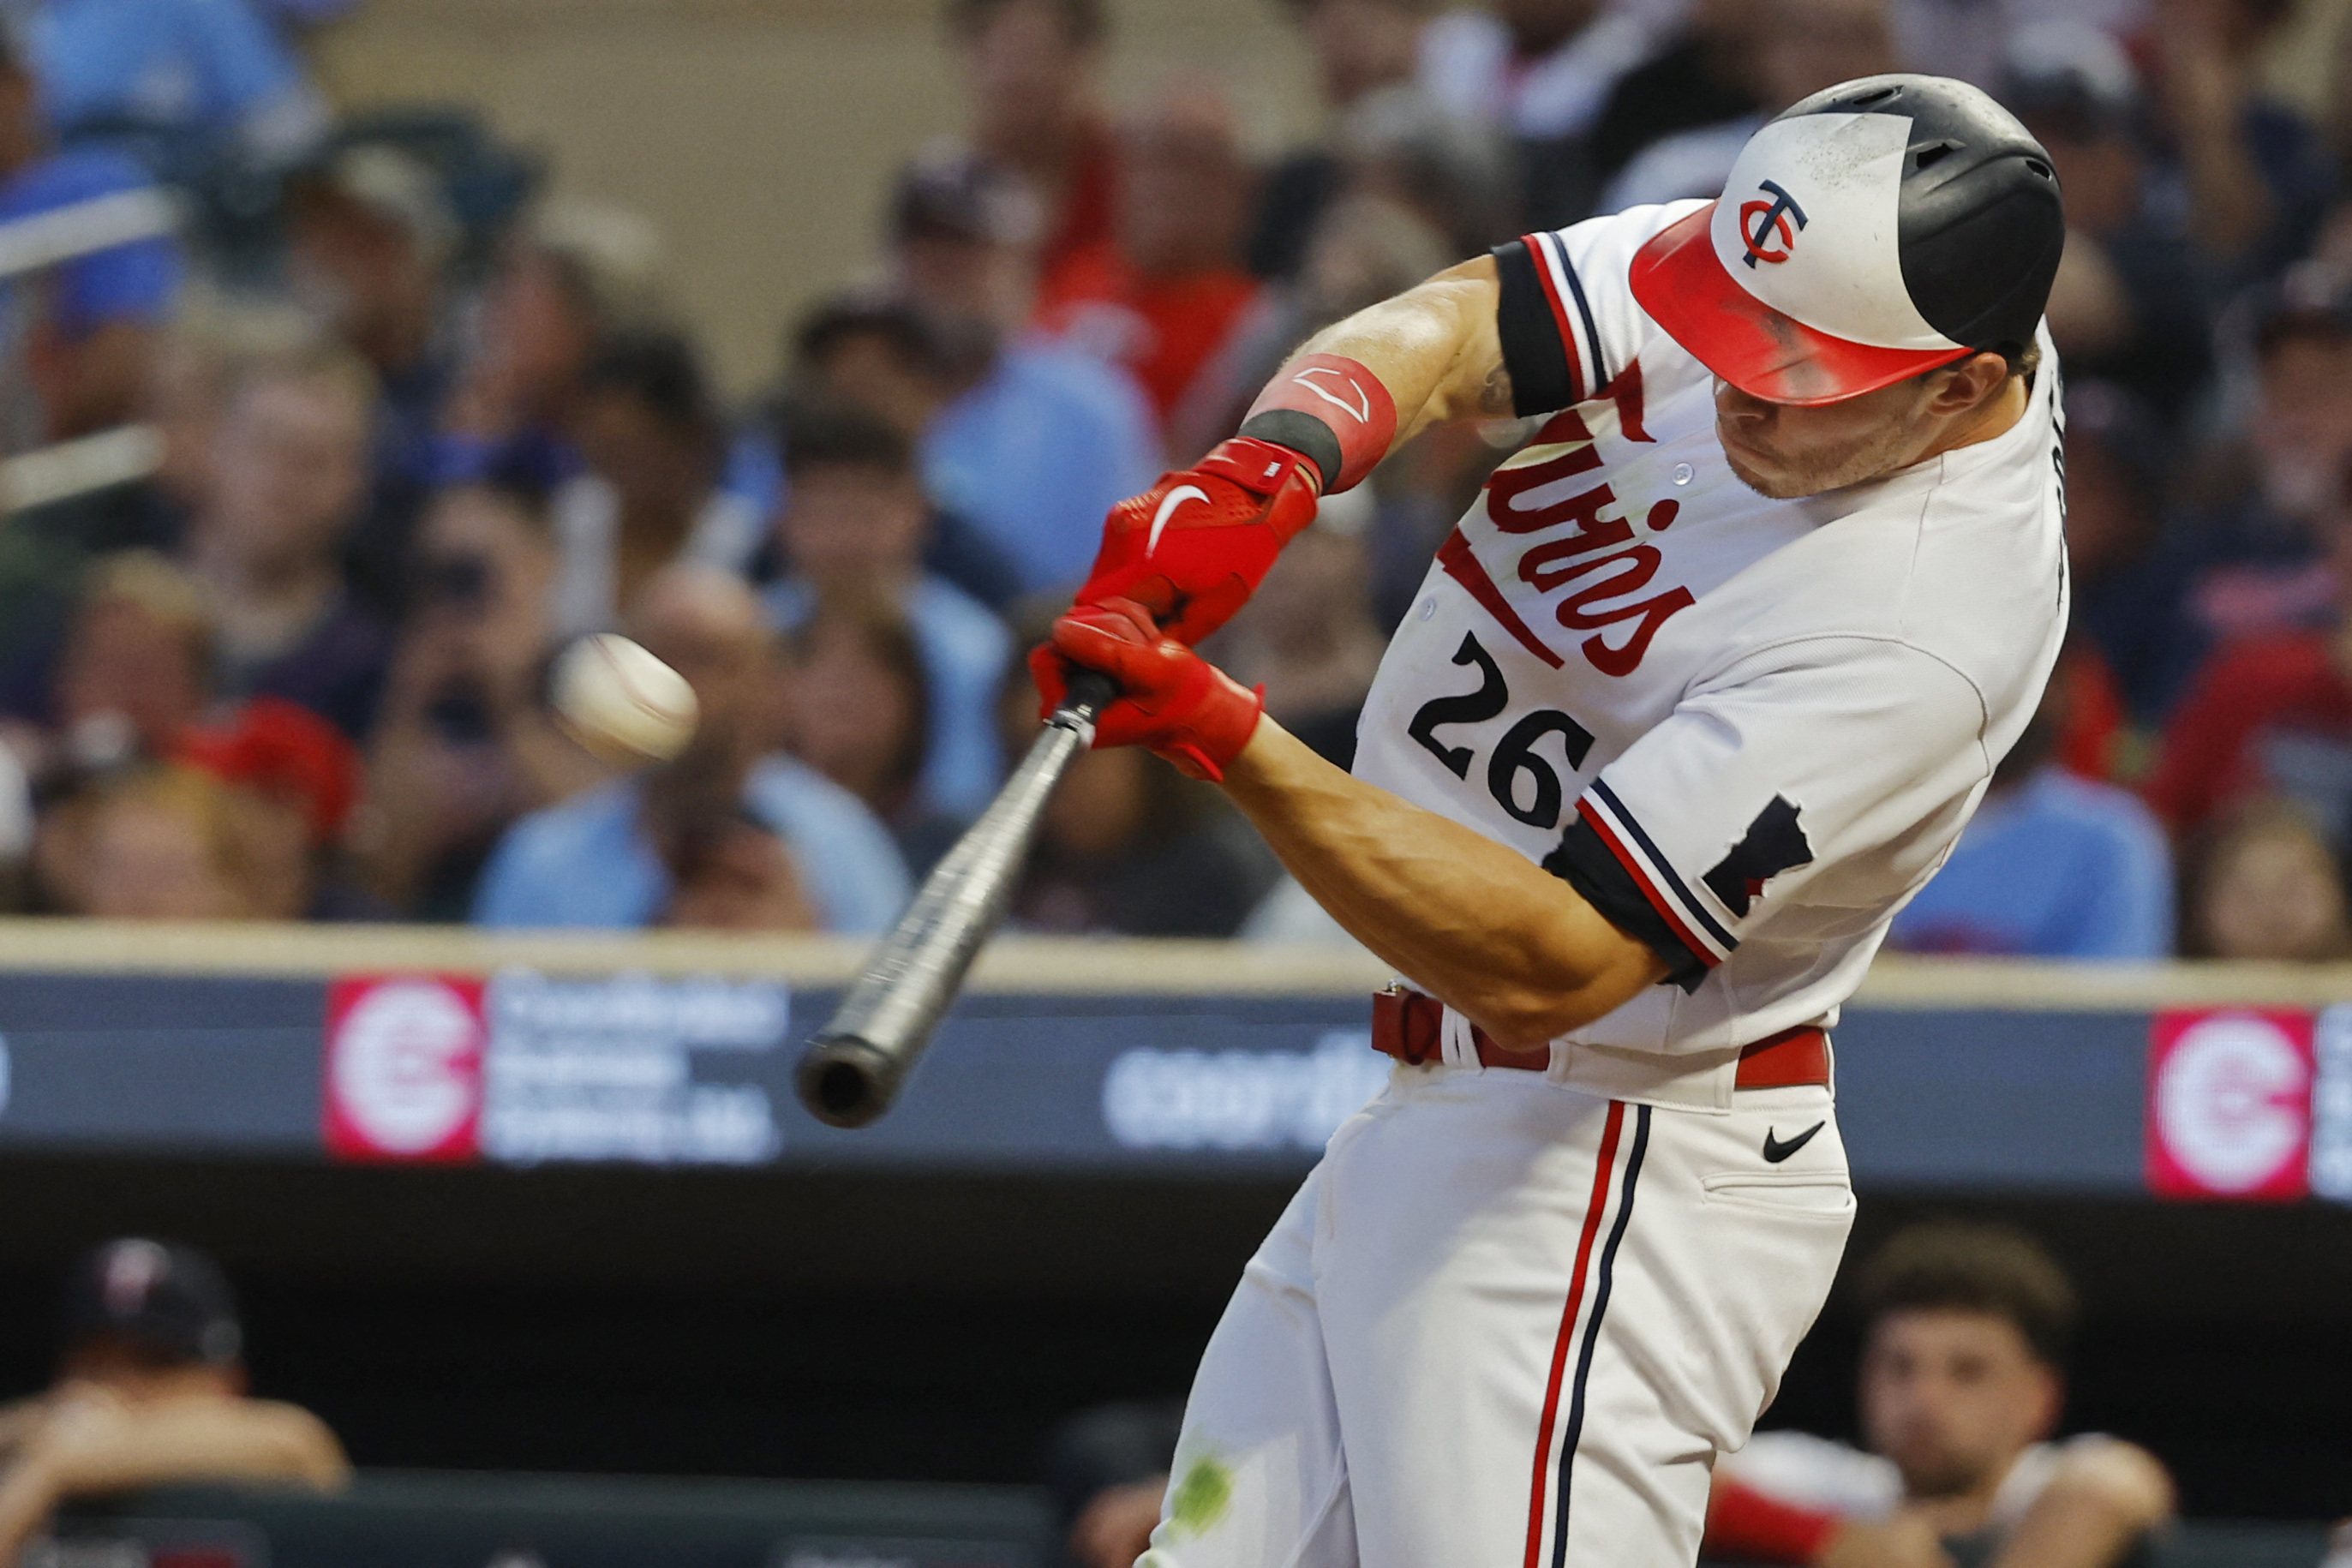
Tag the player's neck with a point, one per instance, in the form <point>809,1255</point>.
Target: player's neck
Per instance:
<point>1997,418</point>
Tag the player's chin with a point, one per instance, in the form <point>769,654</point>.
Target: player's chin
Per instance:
<point>1767,479</point>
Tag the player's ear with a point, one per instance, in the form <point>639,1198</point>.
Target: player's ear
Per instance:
<point>1967,384</point>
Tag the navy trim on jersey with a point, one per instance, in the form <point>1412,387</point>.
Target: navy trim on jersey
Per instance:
<point>1592,1335</point>
<point>1664,868</point>
<point>1563,288</point>
<point>1601,376</point>
<point>1584,862</point>
<point>1543,375</point>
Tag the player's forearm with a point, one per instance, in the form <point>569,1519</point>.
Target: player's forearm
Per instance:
<point>2104,1499</point>
<point>1434,347</point>
<point>1479,926</point>
<point>197,1439</point>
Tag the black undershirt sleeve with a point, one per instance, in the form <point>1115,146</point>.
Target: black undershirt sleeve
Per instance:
<point>1584,863</point>
<point>1542,380</point>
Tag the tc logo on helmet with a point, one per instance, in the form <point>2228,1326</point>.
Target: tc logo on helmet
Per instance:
<point>1762,222</point>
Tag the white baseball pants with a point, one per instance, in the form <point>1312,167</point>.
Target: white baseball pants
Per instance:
<point>1506,1325</point>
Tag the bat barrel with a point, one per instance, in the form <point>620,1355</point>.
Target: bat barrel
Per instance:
<point>846,1082</point>
<point>853,1069</point>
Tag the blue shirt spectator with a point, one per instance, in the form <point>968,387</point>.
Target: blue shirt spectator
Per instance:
<point>589,862</point>
<point>1035,454</point>
<point>2059,867</point>
<point>964,650</point>
<point>210,68</point>
<point>83,329</point>
<point>135,282</point>
<point>854,522</point>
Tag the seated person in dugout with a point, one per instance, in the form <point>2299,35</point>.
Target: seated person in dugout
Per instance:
<point>151,1389</point>
<point>1961,1389</point>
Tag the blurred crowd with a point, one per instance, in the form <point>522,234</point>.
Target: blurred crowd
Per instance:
<point>347,456</point>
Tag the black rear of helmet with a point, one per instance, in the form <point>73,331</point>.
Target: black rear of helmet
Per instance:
<point>1979,224</point>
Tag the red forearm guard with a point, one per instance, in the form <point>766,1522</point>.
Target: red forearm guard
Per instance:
<point>1344,397</point>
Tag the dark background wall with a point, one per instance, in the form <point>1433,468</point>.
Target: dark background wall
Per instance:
<point>936,1328</point>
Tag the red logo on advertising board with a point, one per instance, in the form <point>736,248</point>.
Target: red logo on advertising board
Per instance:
<point>2228,1104</point>
<point>403,1078</point>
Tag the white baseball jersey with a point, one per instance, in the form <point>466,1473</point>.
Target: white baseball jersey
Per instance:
<point>1747,729</point>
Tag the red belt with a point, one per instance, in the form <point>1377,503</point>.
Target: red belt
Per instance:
<point>1408,1024</point>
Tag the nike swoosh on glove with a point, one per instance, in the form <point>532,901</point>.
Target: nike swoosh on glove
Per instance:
<point>1171,698</point>
<point>1193,549</point>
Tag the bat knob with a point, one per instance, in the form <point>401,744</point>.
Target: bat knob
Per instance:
<point>845,1081</point>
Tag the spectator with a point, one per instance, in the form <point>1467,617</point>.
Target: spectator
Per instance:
<point>653,443</point>
<point>93,320</point>
<point>198,361</point>
<point>882,357</point>
<point>1960,1390</point>
<point>735,875</point>
<point>296,780</point>
<point>2128,305</point>
<point>1130,847</point>
<point>151,842</point>
<point>150,1390</point>
<point>1543,72</point>
<point>855,524</point>
<point>2264,887</point>
<point>860,709</point>
<point>2127,592</point>
<point>1799,47</point>
<point>1307,637</point>
<point>134,671</point>
<point>575,274</point>
<point>289,479</point>
<point>1166,295</point>
<point>2052,866</point>
<point>2256,175</point>
<point>1970,38</point>
<point>1704,76</point>
<point>1040,440</point>
<point>1030,65</point>
<point>611,856</point>
<point>190,81</point>
<point>2269,714</point>
<point>463,746</point>
<point>1108,1470</point>
<point>1359,47</point>
<point>371,235</point>
<point>1453,174</point>
<point>2252,565</point>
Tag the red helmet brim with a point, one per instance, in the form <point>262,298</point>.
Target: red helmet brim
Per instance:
<point>1684,286</point>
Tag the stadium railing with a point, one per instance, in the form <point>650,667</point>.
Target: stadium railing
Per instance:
<point>449,1519</point>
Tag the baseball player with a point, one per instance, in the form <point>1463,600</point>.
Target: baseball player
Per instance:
<point>1699,691</point>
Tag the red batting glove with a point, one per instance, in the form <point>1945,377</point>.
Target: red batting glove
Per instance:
<point>1171,698</point>
<point>1191,550</point>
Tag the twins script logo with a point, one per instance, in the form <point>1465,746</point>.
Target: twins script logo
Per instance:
<point>1760,223</point>
<point>1605,569</point>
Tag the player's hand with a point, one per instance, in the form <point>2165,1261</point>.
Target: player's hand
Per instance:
<point>1171,698</point>
<point>1193,548</point>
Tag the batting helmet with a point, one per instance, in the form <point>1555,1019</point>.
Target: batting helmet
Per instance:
<point>1871,232</point>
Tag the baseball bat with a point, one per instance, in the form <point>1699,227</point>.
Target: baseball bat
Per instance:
<point>853,1069</point>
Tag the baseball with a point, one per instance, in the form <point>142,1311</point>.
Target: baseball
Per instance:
<point>621,703</point>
